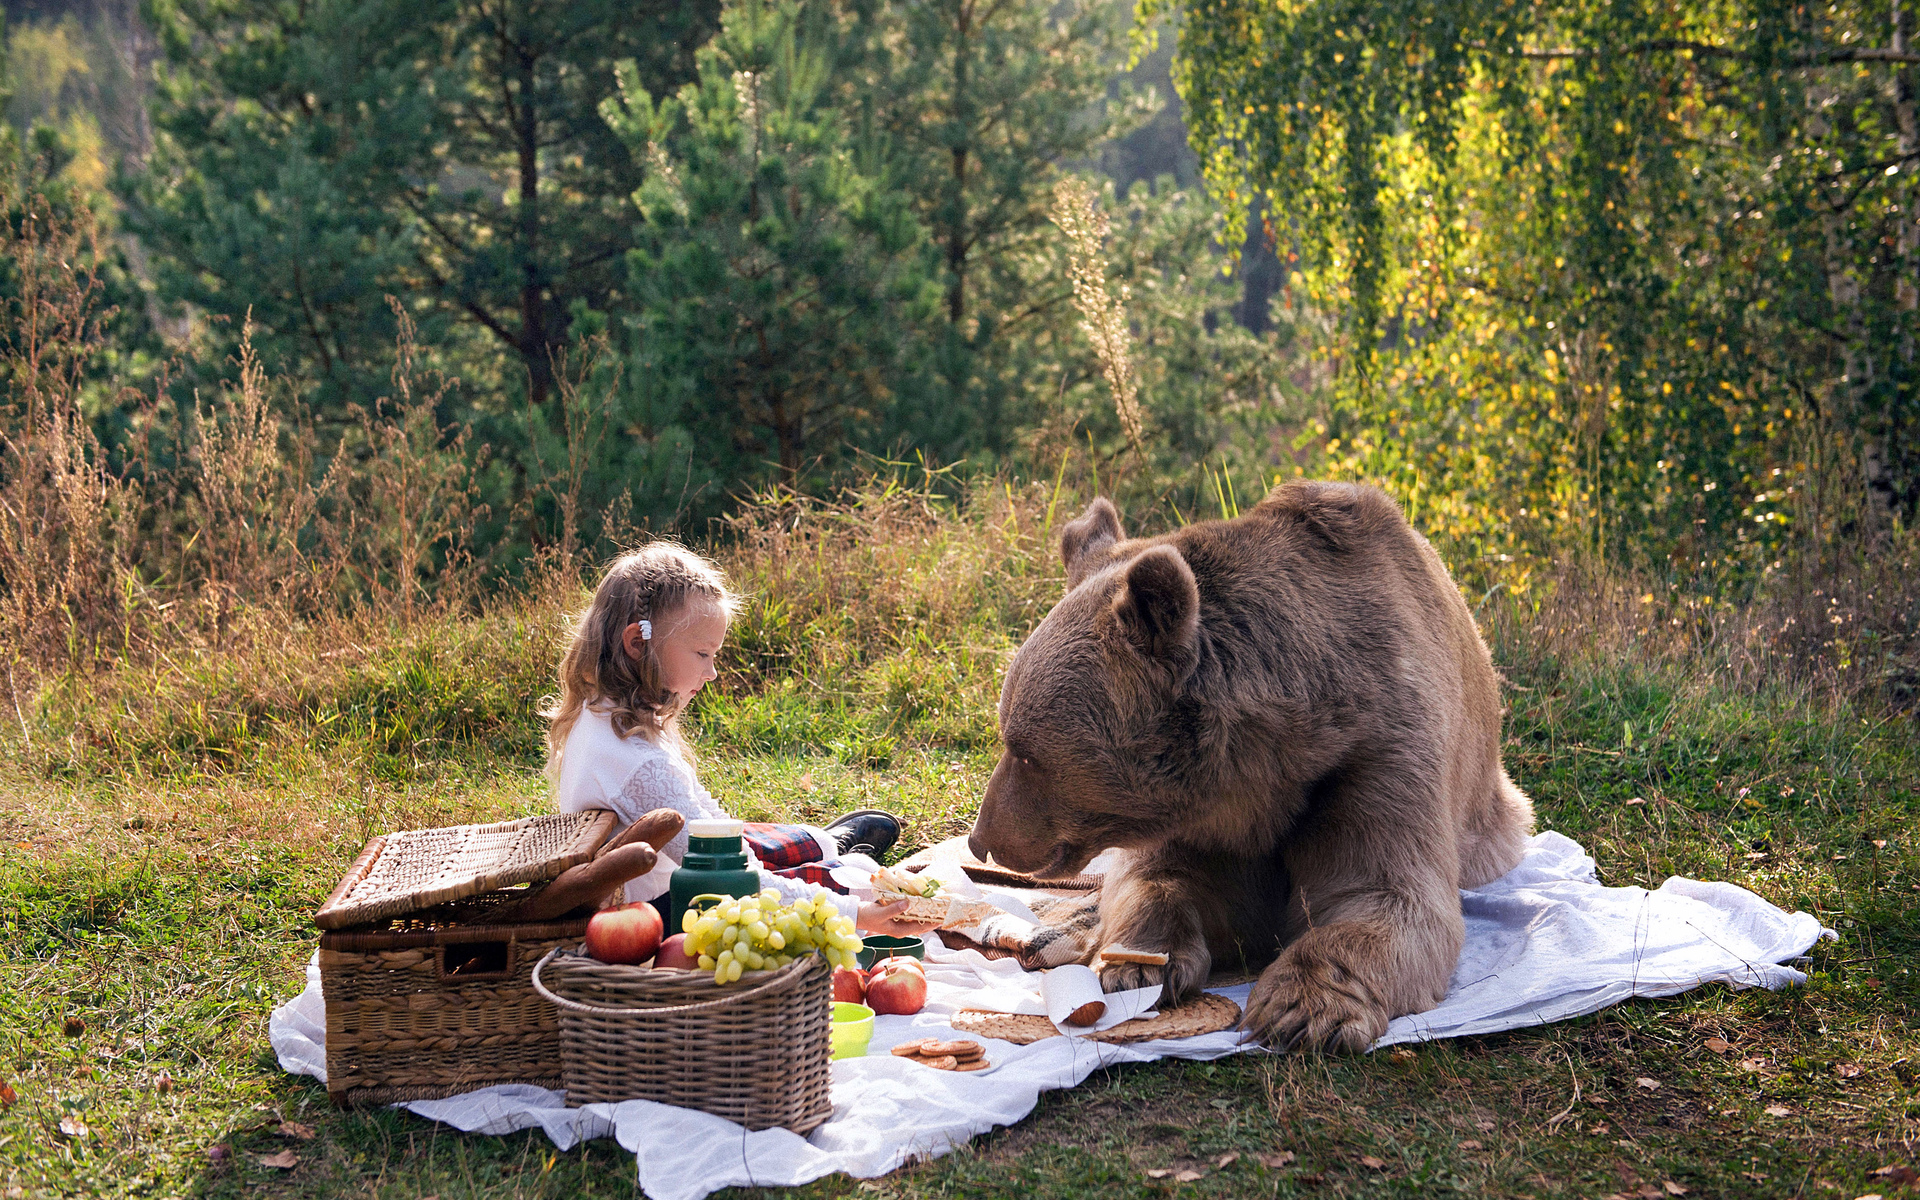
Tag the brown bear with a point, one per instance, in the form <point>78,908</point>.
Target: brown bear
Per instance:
<point>1290,726</point>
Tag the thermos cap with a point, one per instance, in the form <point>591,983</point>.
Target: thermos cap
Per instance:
<point>716,827</point>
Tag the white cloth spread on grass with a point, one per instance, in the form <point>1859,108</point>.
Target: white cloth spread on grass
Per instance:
<point>1544,943</point>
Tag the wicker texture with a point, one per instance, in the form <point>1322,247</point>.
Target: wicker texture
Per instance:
<point>1206,1013</point>
<point>756,1052</point>
<point>434,1004</point>
<point>405,872</point>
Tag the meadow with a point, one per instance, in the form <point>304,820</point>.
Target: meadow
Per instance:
<point>170,824</point>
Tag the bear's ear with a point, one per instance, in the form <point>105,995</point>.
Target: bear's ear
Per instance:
<point>1084,541</point>
<point>1157,609</point>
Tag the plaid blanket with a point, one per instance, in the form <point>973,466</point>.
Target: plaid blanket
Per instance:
<point>1064,933</point>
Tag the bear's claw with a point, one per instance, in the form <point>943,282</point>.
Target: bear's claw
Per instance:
<point>1312,1001</point>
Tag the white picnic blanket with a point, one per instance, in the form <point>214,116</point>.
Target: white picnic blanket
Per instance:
<point>1544,943</point>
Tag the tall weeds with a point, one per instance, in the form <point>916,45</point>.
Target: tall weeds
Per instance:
<point>64,518</point>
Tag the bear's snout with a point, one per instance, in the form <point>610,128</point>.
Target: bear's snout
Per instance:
<point>1012,828</point>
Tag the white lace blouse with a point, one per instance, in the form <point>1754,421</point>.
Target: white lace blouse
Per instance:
<point>635,775</point>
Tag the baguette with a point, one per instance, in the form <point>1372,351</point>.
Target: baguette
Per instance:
<point>655,828</point>
<point>585,884</point>
<point>1120,954</point>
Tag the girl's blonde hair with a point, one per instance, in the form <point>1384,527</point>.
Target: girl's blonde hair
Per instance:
<point>663,583</point>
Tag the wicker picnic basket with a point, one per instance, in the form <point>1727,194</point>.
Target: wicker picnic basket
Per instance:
<point>427,992</point>
<point>756,1052</point>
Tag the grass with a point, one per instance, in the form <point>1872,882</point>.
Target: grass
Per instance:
<point>167,829</point>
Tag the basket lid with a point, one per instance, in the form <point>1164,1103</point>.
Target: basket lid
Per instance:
<point>420,868</point>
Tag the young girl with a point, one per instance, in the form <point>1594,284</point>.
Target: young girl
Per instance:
<point>645,645</point>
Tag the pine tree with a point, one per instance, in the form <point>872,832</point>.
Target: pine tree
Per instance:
<point>313,158</point>
<point>781,279</point>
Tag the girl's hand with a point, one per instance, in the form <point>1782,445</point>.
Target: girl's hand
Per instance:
<point>885,918</point>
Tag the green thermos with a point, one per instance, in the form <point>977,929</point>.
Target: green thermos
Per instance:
<point>715,864</point>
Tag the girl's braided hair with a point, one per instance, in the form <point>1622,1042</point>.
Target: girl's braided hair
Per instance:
<point>663,583</point>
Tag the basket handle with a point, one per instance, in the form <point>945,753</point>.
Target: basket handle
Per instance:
<point>786,977</point>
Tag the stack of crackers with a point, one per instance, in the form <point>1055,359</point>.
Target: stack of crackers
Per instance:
<point>960,1054</point>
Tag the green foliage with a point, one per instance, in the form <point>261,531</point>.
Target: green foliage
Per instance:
<point>312,159</point>
<point>777,265</point>
<point>1638,275</point>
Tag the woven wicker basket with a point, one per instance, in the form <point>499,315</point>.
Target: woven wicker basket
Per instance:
<point>437,1003</point>
<point>756,1052</point>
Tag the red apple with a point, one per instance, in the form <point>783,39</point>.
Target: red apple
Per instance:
<point>849,987</point>
<point>673,953</point>
<point>628,934</point>
<point>896,990</point>
<point>900,961</point>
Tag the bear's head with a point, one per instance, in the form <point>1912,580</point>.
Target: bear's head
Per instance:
<point>1086,705</point>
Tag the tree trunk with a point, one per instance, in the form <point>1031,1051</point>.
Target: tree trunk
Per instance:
<point>962,116</point>
<point>533,326</point>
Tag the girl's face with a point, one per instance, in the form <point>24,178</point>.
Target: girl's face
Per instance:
<point>686,645</point>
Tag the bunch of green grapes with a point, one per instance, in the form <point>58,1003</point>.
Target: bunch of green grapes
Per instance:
<point>759,933</point>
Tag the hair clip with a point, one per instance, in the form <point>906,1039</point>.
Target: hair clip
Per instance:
<point>646,631</point>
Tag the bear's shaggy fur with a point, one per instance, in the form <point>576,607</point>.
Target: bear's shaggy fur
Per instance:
<point>1289,723</point>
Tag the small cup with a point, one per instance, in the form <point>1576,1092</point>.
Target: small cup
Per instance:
<point>883,945</point>
<point>852,1029</point>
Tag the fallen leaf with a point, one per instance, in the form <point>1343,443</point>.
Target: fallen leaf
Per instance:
<point>7,1095</point>
<point>1601,1130</point>
<point>1188,1176</point>
<point>1847,1070</point>
<point>1470,1144</point>
<point>1751,1065</point>
<point>1879,843</point>
<point>1897,1174</point>
<point>1870,1196</point>
<point>1649,1192</point>
<point>1756,1176</point>
<point>1402,1055</point>
<point>1637,800</point>
<point>73,1127</point>
<point>1870,983</point>
<point>73,1027</point>
<point>1719,1045</point>
<point>1777,1110</point>
<point>1673,1189</point>
<point>1651,1085</point>
<point>1484,1126</point>
<point>1756,854</point>
<point>286,1160</point>
<point>1227,1160</point>
<point>1159,1172</point>
<point>164,1084</point>
<point>1371,1163</point>
<point>1274,1160</point>
<point>806,782</point>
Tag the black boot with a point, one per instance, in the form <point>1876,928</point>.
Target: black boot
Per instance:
<point>868,831</point>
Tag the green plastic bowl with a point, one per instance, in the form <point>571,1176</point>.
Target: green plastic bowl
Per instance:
<point>852,1029</point>
<point>882,945</point>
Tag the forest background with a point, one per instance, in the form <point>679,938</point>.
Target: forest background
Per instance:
<point>412,300</point>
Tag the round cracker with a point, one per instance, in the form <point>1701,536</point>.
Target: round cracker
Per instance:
<point>942,1062</point>
<point>909,1049</point>
<point>959,1048</point>
<point>978,1064</point>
